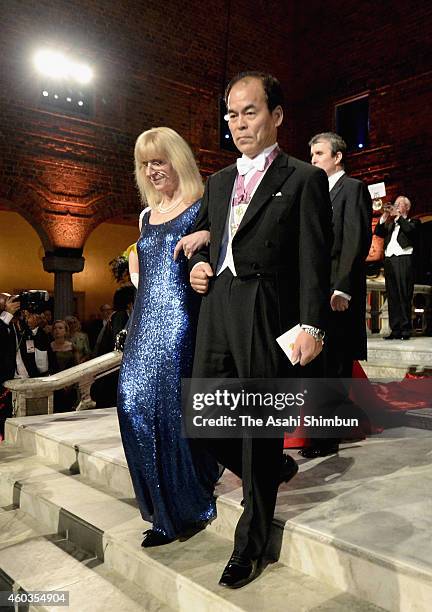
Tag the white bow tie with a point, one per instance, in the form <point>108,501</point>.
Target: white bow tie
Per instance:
<point>245,164</point>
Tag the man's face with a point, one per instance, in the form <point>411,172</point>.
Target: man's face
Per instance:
<point>401,206</point>
<point>252,126</point>
<point>321,156</point>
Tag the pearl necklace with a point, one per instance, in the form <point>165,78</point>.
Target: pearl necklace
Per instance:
<point>167,210</point>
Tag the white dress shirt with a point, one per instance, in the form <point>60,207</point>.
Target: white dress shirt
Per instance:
<point>333,178</point>
<point>393,247</point>
<point>257,163</point>
<point>41,357</point>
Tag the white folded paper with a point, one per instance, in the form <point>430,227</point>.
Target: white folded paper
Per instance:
<point>287,340</point>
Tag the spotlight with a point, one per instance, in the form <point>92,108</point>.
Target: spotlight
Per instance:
<point>51,63</point>
<point>80,102</point>
<point>45,93</point>
<point>56,65</point>
<point>81,73</point>
<point>68,99</point>
<point>56,96</point>
<point>360,145</point>
<point>227,136</point>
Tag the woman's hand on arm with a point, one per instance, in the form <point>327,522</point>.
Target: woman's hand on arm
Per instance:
<point>192,243</point>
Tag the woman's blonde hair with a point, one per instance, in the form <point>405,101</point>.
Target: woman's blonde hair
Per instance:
<point>164,143</point>
<point>75,321</point>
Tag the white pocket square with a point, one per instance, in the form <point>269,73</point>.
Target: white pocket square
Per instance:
<point>276,195</point>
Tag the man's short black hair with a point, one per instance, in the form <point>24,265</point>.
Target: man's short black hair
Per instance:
<point>272,87</point>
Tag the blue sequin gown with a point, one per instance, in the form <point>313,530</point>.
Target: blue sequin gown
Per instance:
<point>173,490</point>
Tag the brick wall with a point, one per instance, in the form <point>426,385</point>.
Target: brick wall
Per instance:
<point>155,64</point>
<point>383,49</point>
<point>166,63</point>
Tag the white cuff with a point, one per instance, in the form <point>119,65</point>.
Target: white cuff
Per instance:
<point>6,317</point>
<point>345,295</point>
<point>198,264</point>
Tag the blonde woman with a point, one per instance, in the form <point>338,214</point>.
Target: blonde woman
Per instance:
<point>78,338</point>
<point>171,492</point>
<point>63,356</point>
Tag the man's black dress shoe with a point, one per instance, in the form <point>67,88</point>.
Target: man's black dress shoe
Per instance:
<point>154,538</point>
<point>238,572</point>
<point>320,449</point>
<point>393,336</point>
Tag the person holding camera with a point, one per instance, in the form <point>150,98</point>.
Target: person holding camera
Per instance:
<point>399,233</point>
<point>35,345</point>
<point>8,307</point>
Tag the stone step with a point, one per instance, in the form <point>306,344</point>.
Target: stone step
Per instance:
<point>420,419</point>
<point>34,558</point>
<point>183,574</point>
<point>81,442</point>
<point>337,521</point>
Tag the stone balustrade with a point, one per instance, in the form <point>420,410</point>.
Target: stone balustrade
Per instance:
<point>377,310</point>
<point>35,395</point>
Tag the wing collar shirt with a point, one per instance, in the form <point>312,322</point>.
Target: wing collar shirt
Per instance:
<point>393,247</point>
<point>247,167</point>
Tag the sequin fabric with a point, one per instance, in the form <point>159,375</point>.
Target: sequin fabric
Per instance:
<point>174,490</point>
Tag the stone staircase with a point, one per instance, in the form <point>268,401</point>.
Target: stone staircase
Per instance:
<point>393,359</point>
<point>343,540</point>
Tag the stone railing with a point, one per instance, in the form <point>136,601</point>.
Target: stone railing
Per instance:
<point>36,395</point>
<point>377,310</point>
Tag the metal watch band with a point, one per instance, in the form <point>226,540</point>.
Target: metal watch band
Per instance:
<point>316,333</point>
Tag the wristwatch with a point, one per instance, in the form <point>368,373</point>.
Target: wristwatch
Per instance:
<point>316,333</point>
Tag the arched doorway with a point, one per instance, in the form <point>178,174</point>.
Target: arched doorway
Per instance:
<point>95,283</point>
<point>21,253</point>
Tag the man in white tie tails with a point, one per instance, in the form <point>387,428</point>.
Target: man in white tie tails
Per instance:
<point>267,268</point>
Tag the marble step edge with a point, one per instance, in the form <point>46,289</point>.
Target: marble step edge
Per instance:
<point>290,584</point>
<point>93,466</point>
<point>183,592</point>
<point>74,457</point>
<point>296,538</point>
<point>180,591</point>
<point>313,556</point>
<point>62,566</point>
<point>341,564</point>
<point>105,544</point>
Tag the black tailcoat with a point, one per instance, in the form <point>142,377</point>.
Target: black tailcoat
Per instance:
<point>281,254</point>
<point>352,228</point>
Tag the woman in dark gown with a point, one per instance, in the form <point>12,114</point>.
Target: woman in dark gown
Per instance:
<point>63,356</point>
<point>173,490</point>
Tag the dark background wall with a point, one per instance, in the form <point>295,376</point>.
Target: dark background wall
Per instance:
<point>383,49</point>
<point>167,63</point>
<point>155,64</point>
